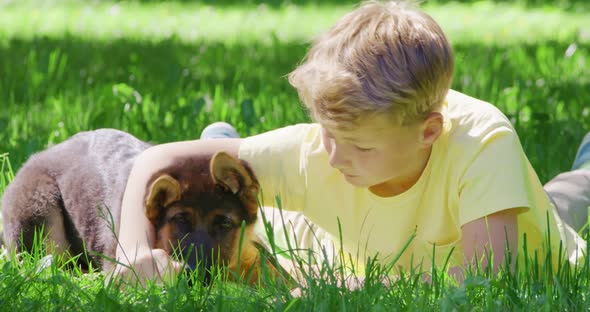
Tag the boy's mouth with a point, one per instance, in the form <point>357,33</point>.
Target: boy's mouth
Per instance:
<point>348,175</point>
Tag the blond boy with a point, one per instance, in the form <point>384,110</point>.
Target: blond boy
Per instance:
<point>393,154</point>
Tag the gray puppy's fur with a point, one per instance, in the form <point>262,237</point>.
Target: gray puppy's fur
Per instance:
<point>73,191</point>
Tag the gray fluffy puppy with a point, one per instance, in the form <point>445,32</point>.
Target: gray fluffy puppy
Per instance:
<point>92,167</point>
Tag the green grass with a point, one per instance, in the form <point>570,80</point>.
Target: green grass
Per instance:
<point>498,23</point>
<point>170,90</point>
<point>164,71</point>
<point>31,282</point>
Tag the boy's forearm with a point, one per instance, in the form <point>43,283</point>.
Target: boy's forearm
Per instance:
<point>457,273</point>
<point>134,230</point>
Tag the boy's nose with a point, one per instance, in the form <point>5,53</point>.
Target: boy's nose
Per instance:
<point>338,157</point>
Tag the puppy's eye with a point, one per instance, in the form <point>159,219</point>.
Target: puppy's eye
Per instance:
<point>224,223</point>
<point>181,219</point>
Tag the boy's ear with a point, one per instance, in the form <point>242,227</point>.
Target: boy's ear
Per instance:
<point>235,177</point>
<point>432,128</point>
<point>162,192</point>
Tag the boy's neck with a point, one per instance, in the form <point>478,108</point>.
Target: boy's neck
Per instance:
<point>399,185</point>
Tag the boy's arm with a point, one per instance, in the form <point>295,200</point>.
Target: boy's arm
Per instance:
<point>496,232</point>
<point>135,256</point>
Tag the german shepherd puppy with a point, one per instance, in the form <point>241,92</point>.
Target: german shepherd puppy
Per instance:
<point>199,207</point>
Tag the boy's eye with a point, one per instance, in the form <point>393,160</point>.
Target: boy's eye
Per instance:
<point>363,149</point>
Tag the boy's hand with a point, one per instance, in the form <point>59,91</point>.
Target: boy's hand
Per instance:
<point>150,264</point>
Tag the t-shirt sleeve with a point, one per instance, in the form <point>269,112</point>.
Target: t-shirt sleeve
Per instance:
<point>275,158</point>
<point>496,178</point>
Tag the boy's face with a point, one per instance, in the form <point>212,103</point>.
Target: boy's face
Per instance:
<point>378,154</point>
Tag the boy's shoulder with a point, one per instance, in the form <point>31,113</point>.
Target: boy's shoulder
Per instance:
<point>288,140</point>
<point>462,106</point>
<point>468,116</point>
<point>471,125</point>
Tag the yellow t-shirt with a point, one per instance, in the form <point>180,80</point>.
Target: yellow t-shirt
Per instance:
<point>477,167</point>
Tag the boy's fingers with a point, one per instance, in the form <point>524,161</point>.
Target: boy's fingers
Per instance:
<point>296,292</point>
<point>165,268</point>
<point>175,267</point>
<point>154,265</point>
<point>178,267</point>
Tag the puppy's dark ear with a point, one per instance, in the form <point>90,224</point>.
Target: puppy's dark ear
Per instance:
<point>237,178</point>
<point>161,193</point>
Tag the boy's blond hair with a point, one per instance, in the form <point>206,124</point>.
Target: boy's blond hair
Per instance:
<point>380,58</point>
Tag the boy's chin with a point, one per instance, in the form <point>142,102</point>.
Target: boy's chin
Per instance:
<point>357,181</point>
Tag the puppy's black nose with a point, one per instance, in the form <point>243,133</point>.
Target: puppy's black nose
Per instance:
<point>197,252</point>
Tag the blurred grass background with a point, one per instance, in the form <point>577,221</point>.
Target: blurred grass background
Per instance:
<point>164,70</point>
